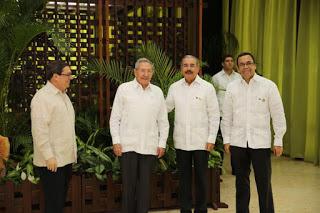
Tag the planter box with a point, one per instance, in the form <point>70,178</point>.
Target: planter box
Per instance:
<point>98,197</point>
<point>29,198</point>
<point>89,195</point>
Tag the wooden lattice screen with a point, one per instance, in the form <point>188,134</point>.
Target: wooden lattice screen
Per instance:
<point>107,29</point>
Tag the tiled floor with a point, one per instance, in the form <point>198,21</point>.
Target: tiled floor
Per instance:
<point>295,185</point>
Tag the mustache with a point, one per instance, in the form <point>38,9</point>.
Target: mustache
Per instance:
<point>188,72</point>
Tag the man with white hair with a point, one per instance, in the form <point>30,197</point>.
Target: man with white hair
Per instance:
<point>139,128</point>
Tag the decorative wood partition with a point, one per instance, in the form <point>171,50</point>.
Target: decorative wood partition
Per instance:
<point>107,29</point>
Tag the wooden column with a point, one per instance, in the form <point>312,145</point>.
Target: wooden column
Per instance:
<point>107,58</point>
<point>100,56</point>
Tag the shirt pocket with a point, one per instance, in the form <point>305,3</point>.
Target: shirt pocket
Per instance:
<point>198,102</point>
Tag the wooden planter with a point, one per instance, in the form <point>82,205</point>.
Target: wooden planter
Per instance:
<point>105,197</point>
<point>100,196</point>
<point>89,195</point>
<point>29,198</point>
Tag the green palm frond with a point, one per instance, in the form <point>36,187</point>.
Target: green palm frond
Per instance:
<point>31,7</point>
<point>164,73</point>
<point>207,78</point>
<point>19,26</point>
<point>114,70</point>
<point>60,41</point>
<point>3,21</point>
<point>24,33</point>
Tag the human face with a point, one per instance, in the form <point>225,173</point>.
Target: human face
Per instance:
<point>189,69</point>
<point>228,64</point>
<point>62,81</point>
<point>247,67</point>
<point>143,74</point>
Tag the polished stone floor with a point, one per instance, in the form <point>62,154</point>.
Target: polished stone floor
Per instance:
<point>295,185</point>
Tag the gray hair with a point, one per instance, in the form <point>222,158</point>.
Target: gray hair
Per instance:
<point>191,56</point>
<point>143,60</point>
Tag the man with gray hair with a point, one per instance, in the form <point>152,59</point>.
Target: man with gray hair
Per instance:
<point>139,128</point>
<point>195,129</point>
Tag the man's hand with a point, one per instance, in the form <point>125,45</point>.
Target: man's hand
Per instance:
<point>209,147</point>
<point>160,152</point>
<point>277,150</point>
<point>52,164</point>
<point>117,149</point>
<point>227,148</point>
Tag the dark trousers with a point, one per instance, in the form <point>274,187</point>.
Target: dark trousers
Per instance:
<point>136,172</point>
<point>184,163</point>
<point>55,186</point>
<point>261,163</point>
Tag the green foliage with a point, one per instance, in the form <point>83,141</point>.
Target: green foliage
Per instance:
<point>113,70</point>
<point>165,72</point>
<point>168,161</point>
<point>214,159</point>
<point>18,26</point>
<point>20,166</point>
<point>95,154</point>
<point>93,160</point>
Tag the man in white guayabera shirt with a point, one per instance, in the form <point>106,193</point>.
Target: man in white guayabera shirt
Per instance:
<point>139,128</point>
<point>249,104</point>
<point>53,132</point>
<point>195,129</point>
<point>223,78</point>
<point>220,82</point>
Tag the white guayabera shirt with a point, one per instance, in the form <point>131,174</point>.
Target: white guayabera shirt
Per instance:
<point>197,114</point>
<point>53,131</point>
<point>139,118</point>
<point>246,114</point>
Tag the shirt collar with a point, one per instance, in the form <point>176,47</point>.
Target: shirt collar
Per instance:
<point>255,78</point>
<point>52,88</point>
<point>138,85</point>
<point>197,80</point>
<point>224,72</point>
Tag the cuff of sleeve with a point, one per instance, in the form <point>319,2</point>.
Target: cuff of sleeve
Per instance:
<point>278,142</point>
<point>116,140</point>
<point>162,144</point>
<point>212,139</point>
<point>226,140</point>
<point>48,154</point>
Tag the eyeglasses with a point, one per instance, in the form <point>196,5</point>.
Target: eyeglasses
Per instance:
<point>68,75</point>
<point>249,63</point>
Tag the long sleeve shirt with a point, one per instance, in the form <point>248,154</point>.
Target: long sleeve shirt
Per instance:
<point>53,127</point>
<point>196,114</point>
<point>139,118</point>
<point>220,82</point>
<point>247,111</point>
